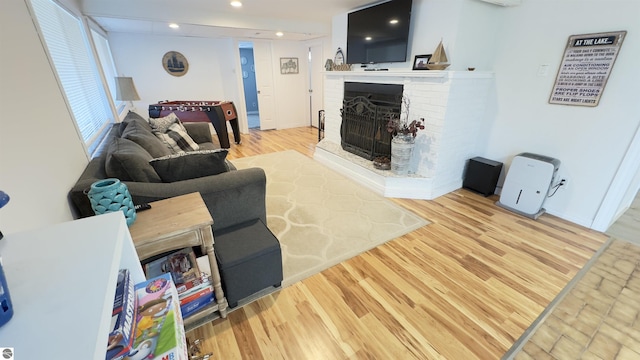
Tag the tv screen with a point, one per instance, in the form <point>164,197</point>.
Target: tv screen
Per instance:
<point>379,34</point>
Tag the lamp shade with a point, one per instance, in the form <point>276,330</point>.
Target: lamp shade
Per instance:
<point>125,89</point>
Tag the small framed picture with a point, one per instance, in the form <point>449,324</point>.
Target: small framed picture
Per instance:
<point>288,65</point>
<point>420,62</point>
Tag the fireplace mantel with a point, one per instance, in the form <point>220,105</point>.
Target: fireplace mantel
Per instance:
<point>433,74</point>
<point>453,104</point>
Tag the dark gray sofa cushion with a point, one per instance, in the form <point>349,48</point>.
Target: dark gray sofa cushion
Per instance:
<point>201,133</point>
<point>131,116</point>
<point>78,193</point>
<point>176,138</point>
<point>128,161</point>
<point>208,146</point>
<point>139,132</point>
<point>190,165</point>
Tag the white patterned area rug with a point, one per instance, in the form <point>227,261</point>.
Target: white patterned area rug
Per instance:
<point>321,217</point>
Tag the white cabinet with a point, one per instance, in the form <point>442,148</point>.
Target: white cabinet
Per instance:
<point>62,282</point>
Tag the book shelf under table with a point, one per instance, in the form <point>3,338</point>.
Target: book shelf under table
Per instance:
<point>176,223</point>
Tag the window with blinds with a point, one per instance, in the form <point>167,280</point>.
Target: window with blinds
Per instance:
<point>108,66</point>
<point>77,71</point>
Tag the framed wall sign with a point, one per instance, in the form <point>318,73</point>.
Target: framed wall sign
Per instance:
<point>175,63</point>
<point>585,68</point>
<point>288,65</point>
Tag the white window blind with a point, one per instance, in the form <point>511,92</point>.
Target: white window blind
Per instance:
<point>108,66</point>
<point>69,50</point>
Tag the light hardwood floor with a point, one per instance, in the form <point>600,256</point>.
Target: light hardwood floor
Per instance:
<point>464,287</point>
<point>627,227</point>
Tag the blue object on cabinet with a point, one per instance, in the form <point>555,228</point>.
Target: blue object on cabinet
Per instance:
<point>6,309</point>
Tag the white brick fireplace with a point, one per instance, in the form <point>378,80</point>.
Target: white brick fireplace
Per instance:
<point>453,104</point>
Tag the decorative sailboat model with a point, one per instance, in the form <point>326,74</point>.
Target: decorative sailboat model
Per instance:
<point>438,60</point>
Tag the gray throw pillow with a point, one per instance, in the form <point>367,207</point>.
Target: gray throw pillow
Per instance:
<point>161,124</point>
<point>190,165</point>
<point>128,161</point>
<point>139,132</point>
<point>177,139</point>
<point>131,116</point>
<point>173,134</point>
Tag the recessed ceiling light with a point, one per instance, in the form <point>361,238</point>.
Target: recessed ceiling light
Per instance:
<point>393,21</point>
<point>236,4</point>
<point>279,34</point>
<point>174,26</point>
<point>368,38</point>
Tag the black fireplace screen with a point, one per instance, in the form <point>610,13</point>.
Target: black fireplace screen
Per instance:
<point>364,126</point>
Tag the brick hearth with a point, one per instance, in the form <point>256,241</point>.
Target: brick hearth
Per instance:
<point>454,107</point>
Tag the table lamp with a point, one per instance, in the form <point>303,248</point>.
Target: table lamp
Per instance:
<point>126,90</point>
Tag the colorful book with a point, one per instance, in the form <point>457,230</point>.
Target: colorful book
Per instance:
<point>198,294</point>
<point>193,285</point>
<point>203,285</point>
<point>159,326</point>
<point>196,305</point>
<point>123,319</point>
<point>181,264</point>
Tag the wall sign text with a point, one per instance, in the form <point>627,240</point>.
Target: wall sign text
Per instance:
<point>584,71</point>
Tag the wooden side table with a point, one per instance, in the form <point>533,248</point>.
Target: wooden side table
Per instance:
<point>177,223</point>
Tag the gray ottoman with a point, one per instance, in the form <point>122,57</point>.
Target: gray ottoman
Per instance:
<point>249,259</point>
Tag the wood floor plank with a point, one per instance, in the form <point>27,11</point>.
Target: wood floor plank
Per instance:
<point>404,333</point>
<point>436,310</point>
<point>464,287</point>
<point>263,326</point>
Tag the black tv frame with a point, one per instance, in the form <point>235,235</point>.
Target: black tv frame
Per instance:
<point>386,46</point>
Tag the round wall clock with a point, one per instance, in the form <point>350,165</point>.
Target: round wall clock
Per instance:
<point>175,63</point>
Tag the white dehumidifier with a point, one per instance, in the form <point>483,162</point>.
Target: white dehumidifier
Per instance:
<point>527,184</point>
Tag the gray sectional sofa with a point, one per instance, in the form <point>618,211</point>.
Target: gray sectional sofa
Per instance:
<point>147,166</point>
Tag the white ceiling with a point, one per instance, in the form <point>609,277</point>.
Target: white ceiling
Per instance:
<point>256,19</point>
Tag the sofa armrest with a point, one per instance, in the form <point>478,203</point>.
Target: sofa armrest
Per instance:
<point>200,132</point>
<point>232,197</point>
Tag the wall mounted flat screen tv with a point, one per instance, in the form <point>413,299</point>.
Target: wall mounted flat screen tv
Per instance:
<point>379,34</point>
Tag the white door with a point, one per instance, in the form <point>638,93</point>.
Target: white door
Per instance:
<point>316,82</point>
<point>264,83</point>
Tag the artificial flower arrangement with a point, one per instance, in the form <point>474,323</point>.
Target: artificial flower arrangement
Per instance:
<point>401,125</point>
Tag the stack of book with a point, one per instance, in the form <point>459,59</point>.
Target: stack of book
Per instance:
<point>192,282</point>
<point>146,323</point>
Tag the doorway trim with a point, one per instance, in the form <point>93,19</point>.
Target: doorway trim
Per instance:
<point>618,191</point>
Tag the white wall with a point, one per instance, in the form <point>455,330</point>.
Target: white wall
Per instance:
<point>41,154</point>
<point>478,35</point>
<point>213,73</point>
<point>514,42</point>
<point>590,142</point>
